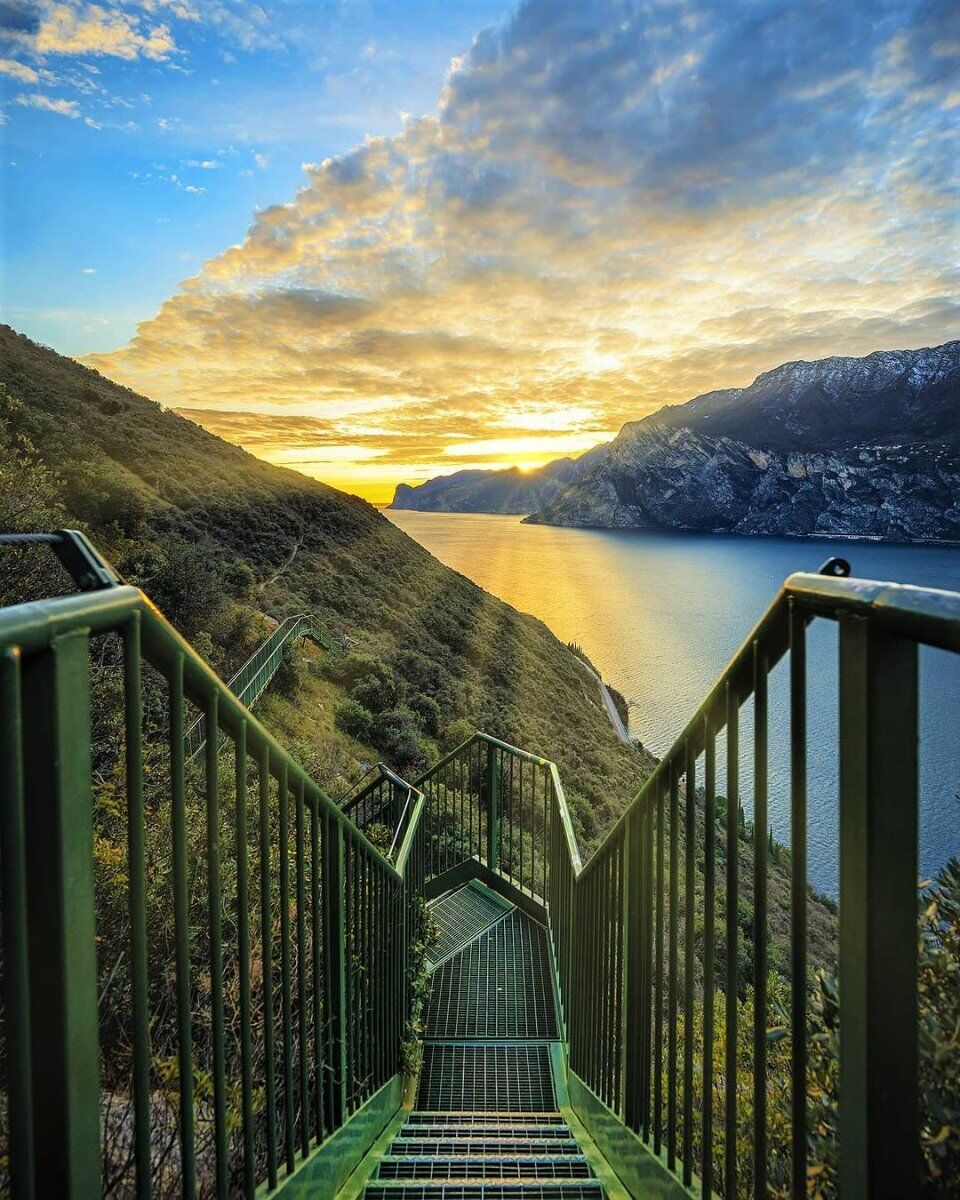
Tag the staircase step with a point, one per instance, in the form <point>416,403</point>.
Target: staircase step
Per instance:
<point>531,1128</point>
<point>484,1118</point>
<point>487,1078</point>
<point>558,1189</point>
<point>484,1169</point>
<point>497,1147</point>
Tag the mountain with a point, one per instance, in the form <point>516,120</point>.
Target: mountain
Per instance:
<point>223,542</point>
<point>507,491</point>
<point>841,447</point>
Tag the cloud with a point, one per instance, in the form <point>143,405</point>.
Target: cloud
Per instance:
<point>19,71</point>
<point>613,207</point>
<point>52,28</point>
<point>63,108</point>
<point>89,271</point>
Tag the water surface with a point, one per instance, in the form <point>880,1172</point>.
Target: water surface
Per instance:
<point>661,614</point>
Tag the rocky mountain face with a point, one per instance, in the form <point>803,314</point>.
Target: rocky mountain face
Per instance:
<point>854,447</point>
<point>509,491</point>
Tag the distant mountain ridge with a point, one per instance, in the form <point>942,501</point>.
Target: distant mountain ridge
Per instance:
<point>508,491</point>
<point>850,447</point>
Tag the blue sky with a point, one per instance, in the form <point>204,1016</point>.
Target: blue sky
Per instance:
<point>381,242</point>
<point>252,92</point>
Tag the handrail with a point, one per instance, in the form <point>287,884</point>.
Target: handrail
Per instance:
<point>325,917</point>
<point>251,680</point>
<point>623,924</point>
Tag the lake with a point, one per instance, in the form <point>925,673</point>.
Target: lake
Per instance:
<point>660,615</point>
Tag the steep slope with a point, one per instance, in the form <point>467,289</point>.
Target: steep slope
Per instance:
<point>508,491</point>
<point>866,447</point>
<point>219,538</point>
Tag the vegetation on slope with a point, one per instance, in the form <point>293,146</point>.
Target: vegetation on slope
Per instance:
<point>219,539</point>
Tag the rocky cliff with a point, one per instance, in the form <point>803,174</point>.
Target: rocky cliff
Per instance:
<point>509,491</point>
<point>855,447</point>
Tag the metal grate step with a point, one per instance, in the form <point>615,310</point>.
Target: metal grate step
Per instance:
<point>495,1147</point>
<point>486,1078</point>
<point>489,1128</point>
<point>499,986</point>
<point>460,916</point>
<point>487,1169</point>
<point>527,1190</point>
<point>484,1118</point>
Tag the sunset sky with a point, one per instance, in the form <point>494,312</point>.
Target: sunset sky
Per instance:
<point>384,241</point>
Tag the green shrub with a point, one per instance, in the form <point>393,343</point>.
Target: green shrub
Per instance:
<point>377,692</point>
<point>355,720</point>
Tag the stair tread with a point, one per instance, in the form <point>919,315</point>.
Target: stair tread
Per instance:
<point>493,1128</point>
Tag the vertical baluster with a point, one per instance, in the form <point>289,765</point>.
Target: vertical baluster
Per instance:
<point>136,854</point>
<point>300,842</point>
<point>690,847</point>
<point>520,827</point>
<point>798,899</point>
<point>658,982</point>
<point>335,975</point>
<point>879,1026</point>
<point>760,924</point>
<point>648,967</point>
<point>709,896</point>
<point>16,977</point>
<point>634,983</point>
<point>215,916</point>
<point>286,1004</point>
<point>511,818</point>
<point>316,946</point>
<point>349,911</point>
<point>181,926</point>
<point>672,988</point>
<point>55,697</point>
<point>266,954</point>
<point>617,926</point>
<point>243,963</point>
<point>732,942</point>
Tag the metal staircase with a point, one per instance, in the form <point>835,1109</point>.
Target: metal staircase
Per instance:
<point>254,1031</point>
<point>487,1125</point>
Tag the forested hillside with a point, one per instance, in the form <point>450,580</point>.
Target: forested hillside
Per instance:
<point>222,541</point>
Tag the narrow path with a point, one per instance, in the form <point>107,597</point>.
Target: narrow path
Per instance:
<point>615,720</point>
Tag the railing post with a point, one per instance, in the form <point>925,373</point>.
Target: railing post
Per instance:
<point>879,1121</point>
<point>493,808</point>
<point>634,862</point>
<point>335,932</point>
<point>62,930</point>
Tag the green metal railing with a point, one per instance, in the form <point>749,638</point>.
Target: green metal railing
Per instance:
<point>636,961</point>
<point>253,678</point>
<point>386,800</point>
<point>264,986</point>
<point>274,1000</point>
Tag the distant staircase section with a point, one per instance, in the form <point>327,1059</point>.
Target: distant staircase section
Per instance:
<point>254,677</point>
<point>488,1125</point>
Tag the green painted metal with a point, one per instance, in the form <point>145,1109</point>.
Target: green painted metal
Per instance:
<point>13,894</point>
<point>333,996</point>
<point>292,849</point>
<point>60,916</point>
<point>879,1120</point>
<point>624,1040</point>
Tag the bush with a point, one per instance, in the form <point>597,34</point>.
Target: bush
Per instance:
<point>354,720</point>
<point>427,713</point>
<point>396,733</point>
<point>377,692</point>
<point>290,673</point>
<point>456,733</point>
